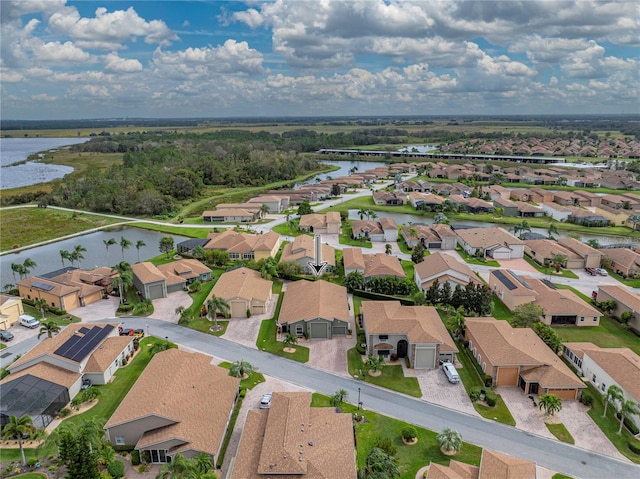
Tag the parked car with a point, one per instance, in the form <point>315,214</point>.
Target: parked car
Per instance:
<point>6,335</point>
<point>591,271</point>
<point>451,373</point>
<point>86,383</point>
<point>28,321</point>
<point>265,402</point>
<point>602,272</point>
<point>139,333</point>
<point>126,332</point>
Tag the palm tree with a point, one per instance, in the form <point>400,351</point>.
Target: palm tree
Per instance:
<point>215,305</point>
<point>124,244</point>
<point>64,254</point>
<point>241,368</point>
<point>449,440</point>
<point>264,209</point>
<point>140,244</point>
<point>269,268</point>
<point>107,244</point>
<point>339,397</point>
<point>92,428</point>
<point>77,253</point>
<point>375,363</point>
<point>553,230</point>
<point>17,268</point>
<point>362,213</point>
<point>180,311</point>
<point>558,260</point>
<point>387,248</point>
<point>290,340</point>
<point>627,408</point>
<point>28,265</point>
<point>123,282</point>
<point>41,305</point>
<point>371,215</point>
<point>16,427</point>
<point>178,468</point>
<point>550,403</point>
<point>49,328</point>
<point>202,463</point>
<point>614,394</point>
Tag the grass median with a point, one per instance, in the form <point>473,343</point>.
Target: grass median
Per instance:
<point>392,376</point>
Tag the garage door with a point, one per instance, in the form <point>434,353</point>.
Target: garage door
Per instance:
<point>318,331</point>
<point>339,330</point>
<point>238,309</point>
<point>563,393</point>
<point>507,376</point>
<point>425,359</point>
<point>501,255</point>
<point>257,309</point>
<point>156,291</point>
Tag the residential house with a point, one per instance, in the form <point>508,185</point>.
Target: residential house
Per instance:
<point>317,309</point>
<point>388,198</point>
<point>10,310</point>
<point>275,203</point>
<point>425,201</point>
<point>371,265</point>
<point>543,251</point>
<point>187,246</point>
<point>493,465</point>
<point>624,262</point>
<point>328,223</point>
<point>509,208</point>
<point>477,205</point>
<point>302,251</point>
<point>625,299</point>
<point>154,282</point>
<point>565,198</point>
<point>526,210</point>
<point>185,270</point>
<point>618,217</point>
<point>590,199</point>
<point>415,332</point>
<point>245,246</point>
<point>384,229</point>
<point>180,404</point>
<point>606,367</point>
<point>586,217</point>
<point>444,268</point>
<point>245,291</point>
<point>541,196</point>
<point>493,242</point>
<point>436,236</point>
<point>510,288</point>
<point>294,440</point>
<point>57,367</point>
<point>230,215</point>
<point>591,256</point>
<point>517,357</point>
<point>556,211</point>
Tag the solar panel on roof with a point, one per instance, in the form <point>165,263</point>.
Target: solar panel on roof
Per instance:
<point>67,345</point>
<point>549,283</point>
<point>520,280</point>
<point>504,280</point>
<point>42,286</point>
<point>90,344</point>
<point>83,330</point>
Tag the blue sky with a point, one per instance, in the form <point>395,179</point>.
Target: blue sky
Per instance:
<point>67,59</point>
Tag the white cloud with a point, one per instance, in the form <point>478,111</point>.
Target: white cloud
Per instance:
<point>114,64</point>
<point>44,97</point>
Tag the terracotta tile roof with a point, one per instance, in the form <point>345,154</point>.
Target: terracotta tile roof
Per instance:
<point>353,258</point>
<point>422,232</point>
<point>376,264</point>
<point>57,289</point>
<point>318,219</point>
<point>243,206</point>
<point>557,207</point>
<point>388,223</point>
<point>421,324</point>
<point>229,212</point>
<point>521,289</point>
<point>7,297</point>
<point>147,272</point>
<point>547,248</point>
<point>623,295</point>
<point>440,263</point>
<point>235,242</point>
<point>305,300</point>
<point>182,270</point>
<point>199,400</point>
<point>106,354</point>
<point>506,346</point>
<point>291,439</point>
<point>303,248</point>
<point>578,246</point>
<point>559,301</point>
<point>242,283</point>
<point>629,259</point>
<point>360,226</point>
<point>494,465</point>
<point>455,470</point>
<point>444,231</point>
<point>486,237</point>
<point>47,371</point>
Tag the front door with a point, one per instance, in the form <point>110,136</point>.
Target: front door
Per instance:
<point>402,348</point>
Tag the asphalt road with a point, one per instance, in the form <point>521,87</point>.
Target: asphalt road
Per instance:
<point>551,454</point>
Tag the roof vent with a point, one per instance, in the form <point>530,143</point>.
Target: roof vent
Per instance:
<point>311,443</point>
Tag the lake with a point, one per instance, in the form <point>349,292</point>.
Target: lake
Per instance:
<point>17,150</point>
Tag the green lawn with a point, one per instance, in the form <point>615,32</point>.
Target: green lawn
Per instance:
<point>560,476</point>
<point>408,267</point>
<point>402,244</point>
<point>285,230</point>
<point>564,273</point>
<point>499,310</point>
<point>561,432</point>
<point>345,237</point>
<point>176,230</point>
<point>410,458</point>
<point>392,376</point>
<point>633,283</point>
<point>60,320</point>
<point>608,334</point>
<point>204,326</point>
<point>31,475</point>
<point>473,260</point>
<point>252,381</point>
<point>267,340</point>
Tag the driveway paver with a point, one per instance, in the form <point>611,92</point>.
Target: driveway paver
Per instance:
<point>245,330</point>
<point>165,308</point>
<point>527,416</point>
<point>103,309</point>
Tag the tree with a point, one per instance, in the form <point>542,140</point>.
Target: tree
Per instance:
<point>553,230</point>
<point>594,243</point>
<point>49,328</point>
<point>290,340</point>
<point>304,208</point>
<point>521,228</point>
<point>558,261</point>
<point>17,268</point>
<point>28,265</point>
<point>526,315</point>
<point>76,454</point>
<point>362,212</point>
<point>125,279</point>
<point>107,244</point>
<point>627,408</point>
<point>216,305</point>
<point>614,395</point>
<point>387,248</point>
<point>139,244</point>
<point>417,255</point>
<point>41,305</point>
<point>17,427</point>
<point>379,465</point>
<point>335,189</point>
<point>550,403</point>
<point>354,281</point>
<point>449,440</point>
<point>375,363</point>
<point>64,254</point>
<point>339,397</point>
<point>549,336</point>
<point>269,268</point>
<point>124,244</point>
<point>202,463</point>
<point>440,219</point>
<point>634,221</point>
<point>166,245</point>
<point>289,269</point>
<point>183,468</point>
<point>241,368</point>
<point>432,295</point>
<point>76,254</point>
<point>264,210</point>
<point>371,215</point>
<point>457,321</point>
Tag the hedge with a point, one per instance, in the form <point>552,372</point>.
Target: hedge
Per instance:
<point>383,297</point>
<point>135,457</point>
<point>634,447</point>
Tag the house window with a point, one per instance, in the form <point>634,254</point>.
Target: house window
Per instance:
<point>479,358</point>
<point>383,337</point>
<point>28,296</point>
<point>120,441</point>
<point>475,352</point>
<point>484,367</point>
<point>593,378</point>
<point>581,318</point>
<point>470,344</point>
<point>299,330</point>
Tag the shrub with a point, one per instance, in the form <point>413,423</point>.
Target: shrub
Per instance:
<point>248,313</point>
<point>125,362</point>
<point>490,397</point>
<point>32,462</point>
<point>243,392</point>
<point>628,424</point>
<point>474,393</point>
<point>409,433</point>
<point>104,475</point>
<point>64,412</point>
<point>135,457</point>
<point>488,380</point>
<point>386,444</point>
<point>116,469</point>
<point>360,349</point>
<point>634,447</point>
<point>142,468</point>
<point>587,400</point>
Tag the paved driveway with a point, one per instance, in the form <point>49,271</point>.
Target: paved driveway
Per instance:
<point>245,330</point>
<point>165,308</point>
<point>528,418</point>
<point>330,354</point>
<point>105,308</point>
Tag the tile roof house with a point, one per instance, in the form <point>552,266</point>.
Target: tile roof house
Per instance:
<point>425,201</point>
<point>79,351</point>
<point>371,265</point>
<point>436,236</point>
<point>556,211</point>
<point>446,269</point>
<point>276,203</point>
<point>604,367</point>
<point>493,465</point>
<point>293,440</point>
<point>494,242</point>
<point>518,357</point>
<point>315,308</point>
<point>328,223</point>
<point>625,299</point>
<point>388,198</point>
<point>10,310</point>
<point>181,403</point>
<point>384,229</point>
<point>624,261</point>
<point>591,256</point>
<point>302,251</point>
<point>244,246</point>
<point>244,290</point>
<point>230,215</point>
<point>185,270</point>
<point>416,332</point>
<point>154,282</point>
<point>542,252</point>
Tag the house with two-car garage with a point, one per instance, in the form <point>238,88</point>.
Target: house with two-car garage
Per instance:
<point>413,332</point>
<point>244,290</point>
<point>495,243</point>
<point>315,309</point>
<point>154,282</point>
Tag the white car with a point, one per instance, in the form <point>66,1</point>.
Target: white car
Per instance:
<point>602,272</point>
<point>451,373</point>
<point>265,402</point>
<point>28,321</point>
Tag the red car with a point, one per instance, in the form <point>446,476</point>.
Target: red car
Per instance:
<point>125,332</point>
